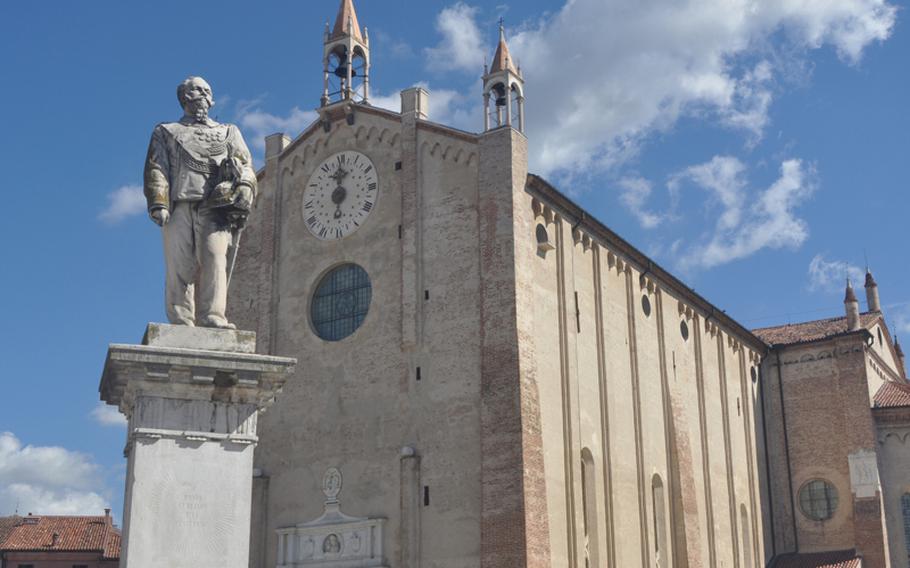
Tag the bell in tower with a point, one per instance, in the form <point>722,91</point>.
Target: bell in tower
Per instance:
<point>346,60</point>
<point>503,85</point>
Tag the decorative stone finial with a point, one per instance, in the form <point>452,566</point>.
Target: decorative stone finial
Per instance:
<point>872,298</point>
<point>852,307</point>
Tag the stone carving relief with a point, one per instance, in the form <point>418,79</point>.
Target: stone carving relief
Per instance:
<point>334,540</point>
<point>864,478</point>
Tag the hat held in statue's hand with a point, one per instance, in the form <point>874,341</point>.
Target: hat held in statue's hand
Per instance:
<point>226,194</point>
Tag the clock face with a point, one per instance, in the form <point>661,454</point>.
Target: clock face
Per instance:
<point>340,195</point>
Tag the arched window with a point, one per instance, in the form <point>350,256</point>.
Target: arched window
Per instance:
<point>746,528</point>
<point>905,511</point>
<point>589,508</point>
<point>661,554</point>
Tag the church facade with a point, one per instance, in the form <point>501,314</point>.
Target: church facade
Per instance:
<point>490,377</point>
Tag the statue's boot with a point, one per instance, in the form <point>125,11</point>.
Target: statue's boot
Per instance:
<point>216,322</point>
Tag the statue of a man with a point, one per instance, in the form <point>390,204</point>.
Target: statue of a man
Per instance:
<point>200,184</point>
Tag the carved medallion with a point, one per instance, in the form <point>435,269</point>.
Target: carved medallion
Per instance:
<point>331,484</point>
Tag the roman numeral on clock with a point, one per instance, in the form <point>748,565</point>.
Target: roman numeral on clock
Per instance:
<point>367,206</point>
<point>372,186</point>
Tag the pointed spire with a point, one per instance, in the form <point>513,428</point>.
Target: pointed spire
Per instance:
<point>502,61</point>
<point>870,280</point>
<point>901,361</point>
<point>851,306</point>
<point>347,20</point>
<point>872,298</point>
<point>851,294</point>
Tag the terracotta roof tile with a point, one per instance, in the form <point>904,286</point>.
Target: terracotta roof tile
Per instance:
<point>502,60</point>
<point>7,524</point>
<point>346,12</point>
<point>892,395</point>
<point>82,534</point>
<point>811,330</point>
<point>840,559</point>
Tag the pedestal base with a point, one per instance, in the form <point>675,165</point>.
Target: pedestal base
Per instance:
<point>192,397</point>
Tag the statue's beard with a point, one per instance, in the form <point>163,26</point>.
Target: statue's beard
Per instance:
<point>198,109</point>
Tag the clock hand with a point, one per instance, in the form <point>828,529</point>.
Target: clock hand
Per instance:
<point>338,197</point>
<point>339,175</point>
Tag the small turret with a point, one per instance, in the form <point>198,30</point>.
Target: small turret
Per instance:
<point>872,299</point>
<point>346,58</point>
<point>851,304</point>
<point>503,85</point>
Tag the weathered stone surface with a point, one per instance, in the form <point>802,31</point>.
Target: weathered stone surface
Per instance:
<point>199,183</point>
<point>193,407</point>
<point>167,335</point>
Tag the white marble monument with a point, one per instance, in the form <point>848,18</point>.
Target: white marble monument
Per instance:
<point>192,397</point>
<point>334,540</point>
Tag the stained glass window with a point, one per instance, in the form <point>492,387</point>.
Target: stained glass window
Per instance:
<point>341,302</point>
<point>818,500</point>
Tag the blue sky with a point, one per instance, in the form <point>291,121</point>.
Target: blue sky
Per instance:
<point>757,149</point>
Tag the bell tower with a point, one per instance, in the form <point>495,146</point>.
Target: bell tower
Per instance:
<point>346,59</point>
<point>504,85</point>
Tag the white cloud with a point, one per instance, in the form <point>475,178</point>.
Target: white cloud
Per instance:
<point>602,76</point>
<point>901,315</point>
<point>47,480</point>
<point>635,193</point>
<point>123,202</point>
<point>107,415</point>
<point>748,221</point>
<point>257,124</point>
<point>447,106</point>
<point>462,46</point>
<point>830,276</point>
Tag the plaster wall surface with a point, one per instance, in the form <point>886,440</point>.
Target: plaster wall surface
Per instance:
<point>625,387</point>
<point>365,398</point>
<point>553,419</point>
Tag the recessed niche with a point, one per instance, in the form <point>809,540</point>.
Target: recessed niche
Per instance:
<point>544,243</point>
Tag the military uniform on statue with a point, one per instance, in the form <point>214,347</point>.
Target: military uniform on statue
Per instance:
<point>200,184</point>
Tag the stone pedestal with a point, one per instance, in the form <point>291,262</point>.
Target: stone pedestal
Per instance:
<point>192,397</point>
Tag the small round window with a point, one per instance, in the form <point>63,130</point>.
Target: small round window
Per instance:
<point>754,373</point>
<point>684,330</point>
<point>818,500</point>
<point>646,305</point>
<point>341,302</point>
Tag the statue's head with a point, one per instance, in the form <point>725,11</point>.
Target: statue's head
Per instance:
<point>195,96</point>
